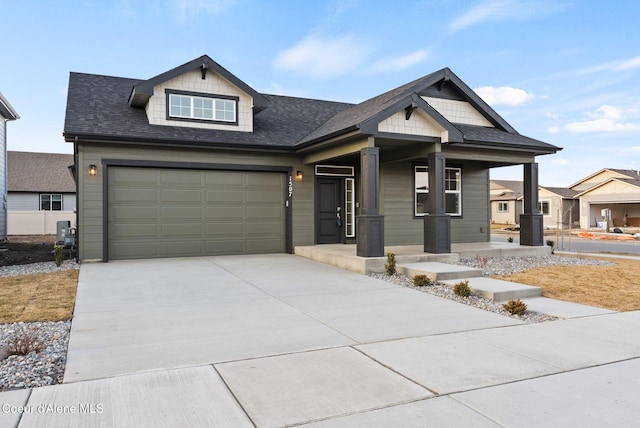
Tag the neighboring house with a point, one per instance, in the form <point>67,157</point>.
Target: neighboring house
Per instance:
<point>41,192</point>
<point>615,190</point>
<point>7,113</point>
<point>506,201</point>
<point>195,162</point>
<point>559,206</point>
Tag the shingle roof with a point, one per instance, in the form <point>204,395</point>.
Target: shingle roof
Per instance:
<point>564,192</point>
<point>39,172</point>
<point>97,107</point>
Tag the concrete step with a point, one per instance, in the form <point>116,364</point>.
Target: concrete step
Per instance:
<point>438,271</point>
<point>500,291</point>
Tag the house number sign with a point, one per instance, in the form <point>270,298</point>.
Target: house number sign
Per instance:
<point>290,186</point>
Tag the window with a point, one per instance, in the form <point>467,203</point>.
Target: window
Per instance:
<point>194,107</point>
<point>453,191</point>
<point>543,206</point>
<point>350,207</point>
<point>503,206</point>
<point>51,202</point>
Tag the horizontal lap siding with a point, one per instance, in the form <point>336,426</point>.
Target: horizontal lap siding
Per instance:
<point>397,198</point>
<point>90,204</point>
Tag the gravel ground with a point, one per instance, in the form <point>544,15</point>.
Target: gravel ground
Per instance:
<point>493,266</point>
<point>45,367</point>
<point>496,266</point>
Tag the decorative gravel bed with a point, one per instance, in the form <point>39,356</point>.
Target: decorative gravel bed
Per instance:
<point>45,367</point>
<point>493,266</point>
<point>42,368</point>
<point>446,291</point>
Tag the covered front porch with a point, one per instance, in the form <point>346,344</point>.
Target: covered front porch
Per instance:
<point>345,255</point>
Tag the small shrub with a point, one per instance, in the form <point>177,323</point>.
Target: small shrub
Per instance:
<point>510,239</point>
<point>390,267</point>
<point>482,261</point>
<point>515,307</point>
<point>25,340</point>
<point>421,280</point>
<point>462,289</point>
<point>552,245</point>
<point>58,252</point>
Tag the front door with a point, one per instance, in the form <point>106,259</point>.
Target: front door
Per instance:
<point>329,210</point>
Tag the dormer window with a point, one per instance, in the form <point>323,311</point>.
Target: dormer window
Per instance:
<point>193,106</point>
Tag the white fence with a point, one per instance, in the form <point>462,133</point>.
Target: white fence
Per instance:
<point>36,222</point>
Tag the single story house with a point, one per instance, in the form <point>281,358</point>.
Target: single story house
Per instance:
<point>194,161</point>
<point>559,206</point>
<point>41,192</point>
<point>612,193</point>
<point>506,201</point>
<point>7,113</point>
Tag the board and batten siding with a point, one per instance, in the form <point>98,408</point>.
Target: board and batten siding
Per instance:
<point>397,199</point>
<point>90,205</point>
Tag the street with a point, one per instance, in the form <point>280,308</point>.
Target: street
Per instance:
<point>579,244</point>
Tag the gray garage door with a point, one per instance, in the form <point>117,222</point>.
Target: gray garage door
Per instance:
<point>157,212</point>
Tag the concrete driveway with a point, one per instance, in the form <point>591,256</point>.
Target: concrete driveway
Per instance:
<point>280,340</point>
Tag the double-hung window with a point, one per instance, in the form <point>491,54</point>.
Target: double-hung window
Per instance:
<point>50,202</point>
<point>453,191</point>
<point>201,107</point>
<point>543,206</point>
<point>503,206</point>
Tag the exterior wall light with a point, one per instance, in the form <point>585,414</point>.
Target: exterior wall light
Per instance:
<point>93,170</point>
<point>299,176</point>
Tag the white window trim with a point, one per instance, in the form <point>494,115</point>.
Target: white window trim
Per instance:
<point>350,210</point>
<point>503,203</point>
<point>544,201</point>
<point>191,116</point>
<point>416,191</point>
<point>51,195</point>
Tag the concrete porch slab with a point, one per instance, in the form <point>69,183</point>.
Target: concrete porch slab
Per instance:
<point>298,388</point>
<point>449,363</point>
<point>438,271</point>
<point>602,396</point>
<point>433,412</point>
<point>499,290</point>
<point>172,398</point>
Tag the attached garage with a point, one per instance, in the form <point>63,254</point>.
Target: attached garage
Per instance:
<point>174,212</point>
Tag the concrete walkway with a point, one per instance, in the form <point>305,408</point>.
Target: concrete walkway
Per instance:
<point>281,340</point>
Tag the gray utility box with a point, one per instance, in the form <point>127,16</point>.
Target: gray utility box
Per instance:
<point>62,228</point>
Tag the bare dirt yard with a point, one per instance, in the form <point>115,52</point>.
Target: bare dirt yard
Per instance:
<point>20,250</point>
<point>615,287</point>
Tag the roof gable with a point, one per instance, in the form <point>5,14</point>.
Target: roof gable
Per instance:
<point>143,90</point>
<point>605,174</point>
<point>633,183</point>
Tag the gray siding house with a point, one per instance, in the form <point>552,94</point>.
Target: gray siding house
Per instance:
<point>7,113</point>
<point>40,192</point>
<point>193,162</point>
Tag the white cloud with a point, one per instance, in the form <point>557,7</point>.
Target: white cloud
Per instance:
<point>631,151</point>
<point>503,10</point>
<point>503,95</point>
<point>607,118</point>
<point>551,115</point>
<point>323,58</point>
<point>398,63</point>
<point>628,64</point>
<point>553,130</point>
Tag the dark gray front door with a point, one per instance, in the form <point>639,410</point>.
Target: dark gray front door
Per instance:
<point>329,210</point>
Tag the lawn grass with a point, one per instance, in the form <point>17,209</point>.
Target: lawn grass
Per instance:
<point>38,297</point>
<point>615,287</point>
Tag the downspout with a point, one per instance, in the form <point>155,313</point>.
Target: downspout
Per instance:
<point>5,230</point>
<point>77,180</point>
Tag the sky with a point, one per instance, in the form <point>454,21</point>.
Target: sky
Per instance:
<point>566,72</point>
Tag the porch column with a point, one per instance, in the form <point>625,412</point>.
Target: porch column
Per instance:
<point>437,224</point>
<point>531,233</point>
<point>369,223</point>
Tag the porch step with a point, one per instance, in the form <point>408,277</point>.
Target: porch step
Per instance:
<point>500,291</point>
<point>438,271</point>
